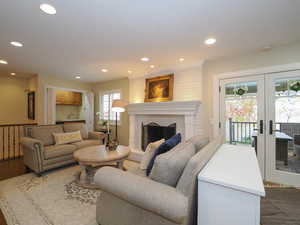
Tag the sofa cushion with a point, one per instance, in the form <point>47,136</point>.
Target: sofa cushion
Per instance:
<point>150,150</point>
<point>199,141</point>
<point>54,151</point>
<point>66,138</point>
<point>86,143</point>
<point>195,165</point>
<point>163,148</point>
<point>71,127</point>
<point>45,133</point>
<point>169,166</point>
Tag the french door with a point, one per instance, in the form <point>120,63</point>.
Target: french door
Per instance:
<point>283,130</point>
<point>263,113</point>
<point>242,114</point>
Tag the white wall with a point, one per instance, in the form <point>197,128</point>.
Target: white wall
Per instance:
<point>187,85</point>
<point>13,98</point>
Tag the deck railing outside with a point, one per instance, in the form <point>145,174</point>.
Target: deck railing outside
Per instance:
<point>10,135</point>
<point>241,132</point>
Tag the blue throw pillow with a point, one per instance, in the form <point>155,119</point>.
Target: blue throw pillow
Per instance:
<point>163,148</point>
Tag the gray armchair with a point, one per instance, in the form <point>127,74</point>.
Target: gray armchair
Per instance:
<point>129,199</point>
<point>41,153</point>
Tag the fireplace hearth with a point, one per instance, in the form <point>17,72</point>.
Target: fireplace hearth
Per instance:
<point>153,132</point>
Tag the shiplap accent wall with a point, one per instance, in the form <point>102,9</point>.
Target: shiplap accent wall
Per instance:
<point>187,85</point>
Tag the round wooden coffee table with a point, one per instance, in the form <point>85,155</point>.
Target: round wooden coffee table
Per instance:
<point>90,158</point>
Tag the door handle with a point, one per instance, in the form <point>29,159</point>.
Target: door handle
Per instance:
<point>261,126</point>
<point>271,127</point>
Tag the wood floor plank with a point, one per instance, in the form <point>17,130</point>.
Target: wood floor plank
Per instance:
<point>11,168</point>
<point>281,206</point>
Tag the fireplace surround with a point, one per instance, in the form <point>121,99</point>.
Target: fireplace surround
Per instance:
<point>186,115</point>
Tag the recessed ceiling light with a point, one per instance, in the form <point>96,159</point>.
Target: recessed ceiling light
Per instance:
<point>49,9</point>
<point>16,44</point>
<point>104,70</point>
<point>210,41</point>
<point>13,74</point>
<point>77,77</point>
<point>181,59</point>
<point>145,59</point>
<point>152,66</point>
<point>3,61</point>
<point>129,71</point>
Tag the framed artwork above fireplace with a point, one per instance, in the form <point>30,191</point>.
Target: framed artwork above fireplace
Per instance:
<point>159,89</point>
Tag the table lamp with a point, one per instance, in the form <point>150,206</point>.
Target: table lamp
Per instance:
<point>118,106</point>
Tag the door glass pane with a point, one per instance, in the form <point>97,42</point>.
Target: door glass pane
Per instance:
<point>287,120</point>
<point>241,113</point>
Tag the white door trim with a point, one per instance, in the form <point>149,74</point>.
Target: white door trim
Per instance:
<point>242,73</point>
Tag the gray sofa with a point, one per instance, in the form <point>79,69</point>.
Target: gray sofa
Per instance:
<point>41,153</point>
<point>131,198</point>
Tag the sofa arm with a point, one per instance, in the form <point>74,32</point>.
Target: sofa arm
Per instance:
<point>31,143</point>
<point>97,135</point>
<point>144,193</point>
<point>33,150</point>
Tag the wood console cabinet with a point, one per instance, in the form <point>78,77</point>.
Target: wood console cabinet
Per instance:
<point>68,98</point>
<point>230,188</point>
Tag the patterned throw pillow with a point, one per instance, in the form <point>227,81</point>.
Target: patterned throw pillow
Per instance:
<point>150,150</point>
<point>66,138</point>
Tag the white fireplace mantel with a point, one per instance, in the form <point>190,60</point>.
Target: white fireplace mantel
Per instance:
<point>164,108</point>
<point>184,113</point>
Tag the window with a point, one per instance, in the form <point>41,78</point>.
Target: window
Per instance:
<point>105,105</point>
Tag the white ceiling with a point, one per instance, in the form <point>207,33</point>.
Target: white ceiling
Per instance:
<point>87,35</point>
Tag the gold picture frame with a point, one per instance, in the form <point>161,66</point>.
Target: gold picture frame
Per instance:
<point>159,89</point>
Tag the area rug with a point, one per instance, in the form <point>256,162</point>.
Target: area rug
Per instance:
<point>54,199</point>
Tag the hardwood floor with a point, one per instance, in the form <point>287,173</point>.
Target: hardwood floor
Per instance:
<point>281,206</point>
<point>9,169</point>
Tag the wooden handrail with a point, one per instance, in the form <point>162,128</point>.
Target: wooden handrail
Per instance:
<point>18,124</point>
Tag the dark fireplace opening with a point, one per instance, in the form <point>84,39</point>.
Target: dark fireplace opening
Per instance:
<point>153,132</point>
